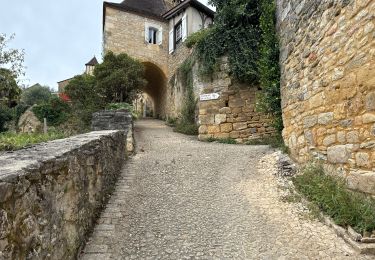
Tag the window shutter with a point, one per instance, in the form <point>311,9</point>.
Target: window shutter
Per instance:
<point>171,41</point>
<point>160,36</point>
<point>184,27</point>
<point>146,33</point>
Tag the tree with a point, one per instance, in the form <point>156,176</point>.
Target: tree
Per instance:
<point>36,94</point>
<point>119,78</point>
<point>54,110</point>
<point>9,90</point>
<point>12,59</point>
<point>84,97</point>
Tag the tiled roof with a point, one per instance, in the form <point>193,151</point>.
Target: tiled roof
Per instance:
<point>92,62</point>
<point>153,8</point>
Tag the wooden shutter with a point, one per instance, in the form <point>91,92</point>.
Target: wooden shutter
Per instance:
<point>160,36</point>
<point>184,27</point>
<point>171,41</point>
<point>146,33</point>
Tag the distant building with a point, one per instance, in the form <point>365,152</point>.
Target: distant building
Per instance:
<point>62,84</point>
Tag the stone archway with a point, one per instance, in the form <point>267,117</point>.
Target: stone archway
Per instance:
<point>156,88</point>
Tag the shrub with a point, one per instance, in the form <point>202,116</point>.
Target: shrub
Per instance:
<point>18,111</point>
<point>196,37</point>
<point>275,141</point>
<point>36,94</point>
<point>5,116</point>
<point>187,129</point>
<point>331,195</point>
<point>55,111</point>
<point>122,106</point>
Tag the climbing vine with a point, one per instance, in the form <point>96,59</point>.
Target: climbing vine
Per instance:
<point>186,123</point>
<point>245,31</point>
<point>269,99</point>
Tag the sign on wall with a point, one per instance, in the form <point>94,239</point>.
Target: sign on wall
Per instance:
<point>210,96</point>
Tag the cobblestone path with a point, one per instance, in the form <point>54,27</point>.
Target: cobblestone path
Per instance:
<point>178,198</point>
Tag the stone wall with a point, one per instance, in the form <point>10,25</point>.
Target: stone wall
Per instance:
<point>115,120</point>
<point>328,84</point>
<point>233,114</point>
<point>51,193</point>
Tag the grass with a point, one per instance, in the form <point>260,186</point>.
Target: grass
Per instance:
<point>16,141</point>
<point>187,129</point>
<point>331,196</point>
<point>275,141</point>
<point>221,140</point>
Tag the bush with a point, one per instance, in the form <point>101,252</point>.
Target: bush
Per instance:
<point>36,94</point>
<point>275,141</point>
<point>119,78</point>
<point>187,129</point>
<point>18,111</point>
<point>55,111</point>
<point>331,195</point>
<point>14,141</point>
<point>196,37</point>
<point>5,117</point>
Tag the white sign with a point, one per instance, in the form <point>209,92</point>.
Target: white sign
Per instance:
<point>211,96</point>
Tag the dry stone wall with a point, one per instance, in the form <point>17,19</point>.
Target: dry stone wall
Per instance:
<point>233,115</point>
<point>328,84</point>
<point>51,193</point>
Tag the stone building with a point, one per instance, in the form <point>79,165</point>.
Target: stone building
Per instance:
<point>328,84</point>
<point>89,69</point>
<point>153,31</point>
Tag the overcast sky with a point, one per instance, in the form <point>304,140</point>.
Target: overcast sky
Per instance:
<point>59,37</point>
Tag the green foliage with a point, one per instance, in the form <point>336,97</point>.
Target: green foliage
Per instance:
<point>5,116</point>
<point>36,94</point>
<point>187,129</point>
<point>84,97</point>
<point>331,195</point>
<point>122,106</point>
<point>171,121</point>
<point>16,141</point>
<point>269,99</point>
<point>119,78</point>
<point>55,111</point>
<point>9,90</point>
<point>18,110</point>
<point>196,37</point>
<point>235,34</point>
<point>221,140</point>
<point>186,123</point>
<point>11,58</point>
<point>275,141</point>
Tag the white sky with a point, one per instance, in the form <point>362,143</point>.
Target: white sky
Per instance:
<point>59,37</point>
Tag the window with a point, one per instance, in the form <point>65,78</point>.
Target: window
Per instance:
<point>178,32</point>
<point>152,35</point>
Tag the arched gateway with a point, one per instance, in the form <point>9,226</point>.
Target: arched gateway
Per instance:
<point>153,31</point>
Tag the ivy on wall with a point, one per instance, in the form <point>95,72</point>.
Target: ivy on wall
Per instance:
<point>245,31</point>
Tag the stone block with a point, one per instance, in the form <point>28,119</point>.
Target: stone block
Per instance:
<point>239,126</point>
<point>368,118</point>
<point>234,134</point>
<point>221,135</point>
<point>203,129</point>
<point>352,137</point>
<point>363,181</point>
<point>206,119</point>
<point>220,118</point>
<point>341,137</point>
<point>362,159</point>
<point>226,128</point>
<point>338,154</point>
<point>310,121</point>
<point>325,118</point>
<point>225,110</point>
<point>236,103</point>
<point>213,129</point>
<point>370,101</point>
<point>203,111</point>
<point>328,140</point>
